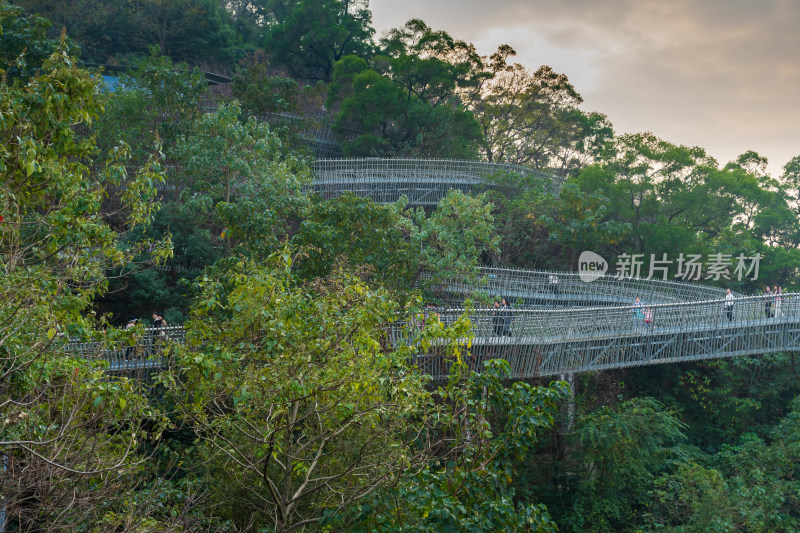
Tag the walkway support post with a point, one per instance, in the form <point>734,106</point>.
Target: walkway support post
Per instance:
<point>569,377</point>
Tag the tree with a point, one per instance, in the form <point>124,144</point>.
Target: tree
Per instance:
<point>532,118</point>
<point>302,403</point>
<point>521,207</point>
<point>620,452</point>
<point>746,486</point>
<point>361,233</point>
<point>198,31</point>
<point>401,247</point>
<point>318,33</point>
<point>71,432</point>
<point>487,426</point>
<point>452,239</point>
<point>260,93</point>
<point>655,186</point>
<point>155,102</point>
<point>581,222</point>
<point>428,64</point>
<point>309,413</point>
<point>24,44</point>
<point>242,176</point>
<point>407,102</point>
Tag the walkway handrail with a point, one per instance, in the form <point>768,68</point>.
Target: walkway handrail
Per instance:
<point>545,325</point>
<point>571,289</point>
<point>385,179</point>
<point>143,355</point>
<point>536,326</point>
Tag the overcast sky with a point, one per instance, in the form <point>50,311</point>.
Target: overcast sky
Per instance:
<point>720,74</point>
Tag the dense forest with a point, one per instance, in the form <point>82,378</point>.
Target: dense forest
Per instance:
<point>287,408</point>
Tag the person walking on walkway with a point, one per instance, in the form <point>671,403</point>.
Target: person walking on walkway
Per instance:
<point>506,311</point>
<point>778,300</point>
<point>729,298</point>
<point>130,350</point>
<point>768,302</point>
<point>497,319</point>
<point>553,283</point>
<point>637,308</point>
<point>638,313</point>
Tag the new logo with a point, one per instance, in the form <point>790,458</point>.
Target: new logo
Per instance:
<point>591,266</point>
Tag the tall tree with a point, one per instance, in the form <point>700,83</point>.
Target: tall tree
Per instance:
<point>407,102</point>
<point>532,118</point>
<point>301,402</point>
<point>400,245</point>
<point>24,42</point>
<point>71,432</point>
<point>318,33</point>
<point>242,176</point>
<point>198,31</point>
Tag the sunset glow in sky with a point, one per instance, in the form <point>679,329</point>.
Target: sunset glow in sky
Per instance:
<point>720,74</point>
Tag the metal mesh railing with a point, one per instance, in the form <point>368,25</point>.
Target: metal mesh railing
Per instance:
<point>141,358</point>
<point>423,181</point>
<point>549,342</point>
<point>542,324</point>
<point>542,288</point>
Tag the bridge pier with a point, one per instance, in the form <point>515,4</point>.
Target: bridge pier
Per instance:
<point>569,377</point>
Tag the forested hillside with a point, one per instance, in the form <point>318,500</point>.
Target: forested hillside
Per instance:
<point>289,407</point>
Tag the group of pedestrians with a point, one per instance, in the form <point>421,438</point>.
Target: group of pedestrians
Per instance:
<point>158,321</point>
<point>773,302</point>
<point>158,335</point>
<point>643,315</point>
<point>773,299</point>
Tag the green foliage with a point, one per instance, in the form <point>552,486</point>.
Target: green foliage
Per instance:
<point>519,208</point>
<point>24,43</point>
<point>312,35</point>
<point>582,222</point>
<point>67,425</point>
<point>750,486</point>
<point>452,239</point>
<point>533,118</point>
<point>245,174</point>
<point>362,233</point>
<point>186,30</point>
<point>399,245</point>
<point>260,93</point>
<point>156,102</point>
<point>642,197</point>
<point>408,102</point>
<point>620,452</point>
<point>302,403</point>
<point>723,399</point>
<point>468,484</point>
<point>430,64</point>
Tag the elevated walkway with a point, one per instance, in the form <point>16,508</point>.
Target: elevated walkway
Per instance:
<point>555,328</point>
<point>557,341</point>
<point>424,182</point>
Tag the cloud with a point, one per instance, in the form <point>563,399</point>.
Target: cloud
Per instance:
<point>722,74</point>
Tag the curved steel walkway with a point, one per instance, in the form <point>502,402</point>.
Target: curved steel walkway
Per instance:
<point>424,182</point>
<point>571,326</point>
<point>583,326</point>
<point>548,342</point>
<point>532,288</point>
